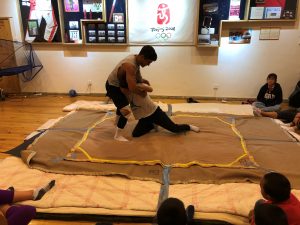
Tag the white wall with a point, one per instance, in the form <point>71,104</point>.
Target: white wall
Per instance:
<point>238,70</point>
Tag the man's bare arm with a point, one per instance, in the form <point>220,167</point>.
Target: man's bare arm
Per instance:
<point>144,87</point>
<point>131,79</point>
<point>296,120</point>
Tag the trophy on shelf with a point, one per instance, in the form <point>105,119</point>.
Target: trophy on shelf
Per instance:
<point>206,31</point>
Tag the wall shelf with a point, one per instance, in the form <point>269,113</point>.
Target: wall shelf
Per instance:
<point>245,8</point>
<point>71,19</point>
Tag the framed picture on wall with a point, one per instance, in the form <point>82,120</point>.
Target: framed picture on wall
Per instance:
<point>101,26</point>
<point>93,6</point>
<point>101,39</point>
<point>118,17</point>
<point>111,33</point>
<point>240,36</point>
<point>91,26</point>
<point>120,26</point>
<point>121,33</point>
<point>111,39</point>
<point>121,39</point>
<point>92,33</point>
<point>110,26</point>
<point>257,13</point>
<point>73,25</point>
<point>74,35</point>
<point>71,5</point>
<point>40,21</point>
<point>92,39</point>
<point>101,33</point>
<point>272,12</point>
<point>33,28</point>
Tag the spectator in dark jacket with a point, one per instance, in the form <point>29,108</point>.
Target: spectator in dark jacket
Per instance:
<point>269,97</point>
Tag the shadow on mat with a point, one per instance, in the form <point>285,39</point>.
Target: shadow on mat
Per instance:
<point>16,151</point>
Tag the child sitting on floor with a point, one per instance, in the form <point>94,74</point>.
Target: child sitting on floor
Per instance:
<point>276,190</point>
<point>172,212</point>
<point>269,214</point>
<point>20,214</point>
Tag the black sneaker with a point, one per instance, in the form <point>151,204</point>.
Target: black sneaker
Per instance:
<point>191,100</point>
<point>190,211</point>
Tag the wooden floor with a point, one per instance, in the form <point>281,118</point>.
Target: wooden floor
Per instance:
<point>21,115</point>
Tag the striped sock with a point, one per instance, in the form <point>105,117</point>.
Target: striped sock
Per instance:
<point>39,192</point>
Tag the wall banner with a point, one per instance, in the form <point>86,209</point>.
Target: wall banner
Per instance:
<point>162,22</point>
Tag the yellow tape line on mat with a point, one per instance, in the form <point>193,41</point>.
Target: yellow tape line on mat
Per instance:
<point>159,162</point>
<point>86,134</point>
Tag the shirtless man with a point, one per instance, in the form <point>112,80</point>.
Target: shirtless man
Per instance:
<point>123,79</point>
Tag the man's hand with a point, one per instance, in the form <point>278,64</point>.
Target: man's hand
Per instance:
<point>296,120</point>
<point>146,81</point>
<point>125,91</point>
<point>141,93</point>
<point>144,87</point>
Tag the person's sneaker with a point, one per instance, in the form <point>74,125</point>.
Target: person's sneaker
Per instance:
<point>191,100</point>
<point>194,128</point>
<point>190,211</point>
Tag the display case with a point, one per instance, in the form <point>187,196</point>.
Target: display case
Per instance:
<point>74,22</point>
<point>112,29</point>
<point>76,11</point>
<point>213,13</point>
<point>40,21</point>
<point>101,32</point>
<point>272,10</point>
<point>95,22</point>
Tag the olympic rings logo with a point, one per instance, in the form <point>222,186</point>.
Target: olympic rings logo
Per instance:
<point>164,36</point>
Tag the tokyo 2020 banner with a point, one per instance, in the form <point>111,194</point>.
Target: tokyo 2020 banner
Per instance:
<point>162,22</point>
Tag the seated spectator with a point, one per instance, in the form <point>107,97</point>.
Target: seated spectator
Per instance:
<point>20,214</point>
<point>172,212</point>
<point>269,214</point>
<point>294,99</point>
<point>269,97</point>
<point>296,121</point>
<point>287,116</point>
<point>276,190</point>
